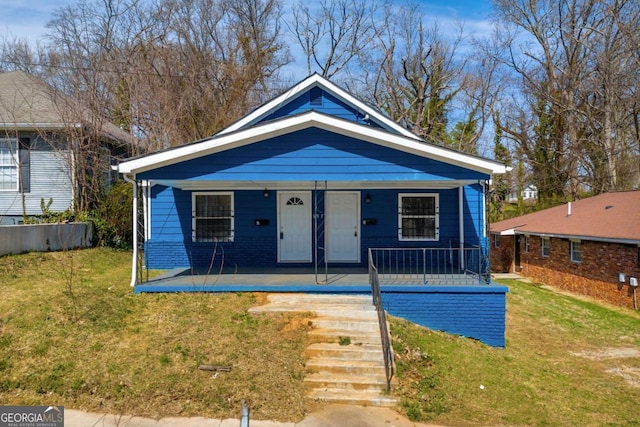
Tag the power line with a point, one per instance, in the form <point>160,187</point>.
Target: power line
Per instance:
<point>281,83</point>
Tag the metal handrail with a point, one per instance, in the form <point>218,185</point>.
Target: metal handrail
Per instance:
<point>382,321</point>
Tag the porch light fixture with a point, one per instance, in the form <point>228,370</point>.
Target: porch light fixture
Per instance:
<point>367,198</point>
<point>265,193</point>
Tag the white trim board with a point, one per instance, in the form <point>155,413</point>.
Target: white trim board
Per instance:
<point>307,120</point>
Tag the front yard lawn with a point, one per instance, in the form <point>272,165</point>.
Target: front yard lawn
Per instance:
<point>73,333</point>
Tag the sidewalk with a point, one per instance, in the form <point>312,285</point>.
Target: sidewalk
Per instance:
<point>331,416</point>
<point>513,276</point>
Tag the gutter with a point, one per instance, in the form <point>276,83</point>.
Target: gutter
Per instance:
<point>580,237</point>
<point>40,126</point>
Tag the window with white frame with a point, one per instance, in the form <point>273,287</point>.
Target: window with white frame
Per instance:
<point>496,240</point>
<point>418,216</point>
<point>212,217</point>
<point>8,164</point>
<point>526,244</point>
<point>544,242</point>
<point>576,251</point>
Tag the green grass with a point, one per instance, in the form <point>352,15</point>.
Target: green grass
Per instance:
<point>73,333</point>
<point>537,380</point>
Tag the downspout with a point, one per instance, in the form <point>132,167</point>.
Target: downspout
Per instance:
<point>134,261</point>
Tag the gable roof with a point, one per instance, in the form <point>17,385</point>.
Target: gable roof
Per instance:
<point>229,140</point>
<point>613,217</point>
<point>28,103</point>
<point>316,80</point>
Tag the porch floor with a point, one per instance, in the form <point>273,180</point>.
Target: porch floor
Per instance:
<point>337,279</point>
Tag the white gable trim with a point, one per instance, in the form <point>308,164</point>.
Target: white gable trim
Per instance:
<point>310,119</point>
<point>316,80</point>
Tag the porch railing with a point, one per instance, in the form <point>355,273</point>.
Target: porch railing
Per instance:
<point>382,321</point>
<point>435,266</point>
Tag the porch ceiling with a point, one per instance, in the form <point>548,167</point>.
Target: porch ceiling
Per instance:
<point>201,185</point>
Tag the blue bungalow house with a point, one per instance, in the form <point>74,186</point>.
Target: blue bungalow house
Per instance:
<point>316,179</point>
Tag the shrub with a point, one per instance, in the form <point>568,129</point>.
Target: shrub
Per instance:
<point>112,217</point>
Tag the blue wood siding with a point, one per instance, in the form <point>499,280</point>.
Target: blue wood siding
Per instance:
<point>312,154</point>
<point>473,209</point>
<point>170,243</point>
<point>329,105</point>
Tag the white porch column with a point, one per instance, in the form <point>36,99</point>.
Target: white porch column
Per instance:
<point>134,260</point>
<point>461,224</point>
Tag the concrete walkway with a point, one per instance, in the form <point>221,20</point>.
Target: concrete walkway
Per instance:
<point>331,416</point>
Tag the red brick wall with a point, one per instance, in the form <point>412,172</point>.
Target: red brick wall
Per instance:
<point>596,275</point>
<point>502,256</point>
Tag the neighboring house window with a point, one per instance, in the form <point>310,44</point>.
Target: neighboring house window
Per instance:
<point>8,164</point>
<point>24,158</point>
<point>212,217</point>
<point>105,168</point>
<point>526,244</point>
<point>418,216</point>
<point>496,240</point>
<point>576,251</point>
<point>545,246</point>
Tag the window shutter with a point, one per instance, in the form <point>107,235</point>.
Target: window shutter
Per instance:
<point>24,160</point>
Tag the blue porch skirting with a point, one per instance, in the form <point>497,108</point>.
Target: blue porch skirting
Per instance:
<point>477,312</point>
<point>471,311</point>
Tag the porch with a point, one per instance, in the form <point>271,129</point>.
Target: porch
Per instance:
<point>355,280</point>
<point>444,295</point>
<point>395,267</point>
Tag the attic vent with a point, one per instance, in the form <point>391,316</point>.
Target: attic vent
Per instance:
<point>608,206</point>
<point>315,96</point>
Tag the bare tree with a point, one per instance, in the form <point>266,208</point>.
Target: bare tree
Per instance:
<point>423,79</point>
<point>573,62</point>
<point>334,33</point>
<point>167,72</point>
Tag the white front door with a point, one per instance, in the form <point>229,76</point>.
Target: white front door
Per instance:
<point>342,216</point>
<point>294,226</point>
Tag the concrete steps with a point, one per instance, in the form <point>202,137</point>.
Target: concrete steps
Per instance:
<point>352,352</point>
<point>362,397</point>
<point>345,360</point>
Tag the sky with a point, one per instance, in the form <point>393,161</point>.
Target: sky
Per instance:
<point>27,18</point>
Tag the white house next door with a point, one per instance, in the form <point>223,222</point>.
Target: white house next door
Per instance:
<point>342,216</point>
<point>294,226</point>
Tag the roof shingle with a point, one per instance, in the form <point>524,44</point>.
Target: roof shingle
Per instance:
<point>610,216</point>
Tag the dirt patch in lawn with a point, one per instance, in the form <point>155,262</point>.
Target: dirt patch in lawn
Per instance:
<point>629,373</point>
<point>610,353</point>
